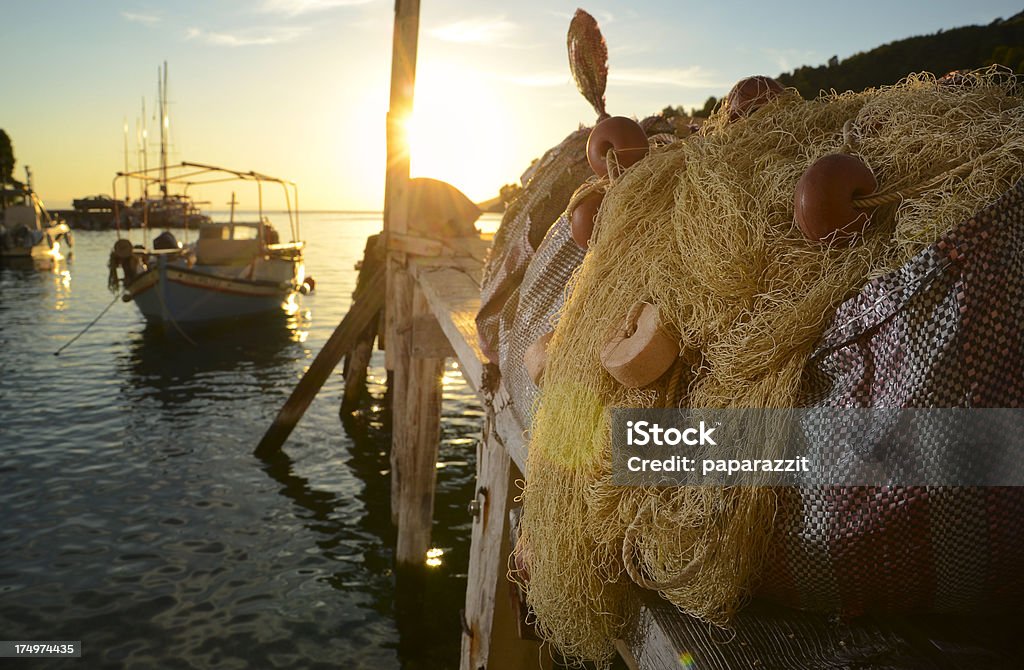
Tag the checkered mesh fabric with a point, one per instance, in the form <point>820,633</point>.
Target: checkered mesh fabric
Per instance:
<point>533,310</point>
<point>945,330</point>
<point>547,187</point>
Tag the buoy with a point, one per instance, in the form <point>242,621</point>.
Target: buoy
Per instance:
<point>123,249</point>
<point>583,217</point>
<point>751,94</point>
<point>622,134</point>
<point>310,285</point>
<point>823,200</point>
<point>536,357</point>
<point>640,351</point>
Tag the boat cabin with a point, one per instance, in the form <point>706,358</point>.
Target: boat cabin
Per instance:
<point>233,243</point>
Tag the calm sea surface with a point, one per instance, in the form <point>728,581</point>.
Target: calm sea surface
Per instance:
<point>134,517</point>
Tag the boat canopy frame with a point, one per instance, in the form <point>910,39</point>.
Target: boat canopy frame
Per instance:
<point>187,174</point>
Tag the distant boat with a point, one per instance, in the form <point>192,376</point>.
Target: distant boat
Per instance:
<point>169,211</point>
<point>233,269</point>
<point>166,210</point>
<point>27,231</point>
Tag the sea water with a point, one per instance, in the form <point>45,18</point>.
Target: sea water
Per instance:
<point>135,518</point>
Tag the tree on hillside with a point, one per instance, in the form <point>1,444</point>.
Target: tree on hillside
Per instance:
<point>6,159</point>
<point>967,47</point>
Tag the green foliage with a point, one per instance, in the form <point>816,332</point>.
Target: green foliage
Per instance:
<point>965,48</point>
<point>672,113</point>
<point>6,158</point>
<point>709,106</point>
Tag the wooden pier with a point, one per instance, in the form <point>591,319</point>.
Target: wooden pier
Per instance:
<point>432,298</point>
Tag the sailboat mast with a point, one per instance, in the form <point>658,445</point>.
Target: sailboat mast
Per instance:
<point>127,188</point>
<point>145,152</point>
<point>162,86</point>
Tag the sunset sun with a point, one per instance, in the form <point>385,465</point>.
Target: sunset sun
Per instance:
<point>456,130</point>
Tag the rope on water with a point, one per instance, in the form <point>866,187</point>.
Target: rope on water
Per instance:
<point>91,324</point>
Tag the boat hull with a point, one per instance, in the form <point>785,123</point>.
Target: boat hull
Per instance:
<point>172,294</point>
<point>44,253</point>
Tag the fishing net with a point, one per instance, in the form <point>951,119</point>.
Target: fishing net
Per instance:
<point>704,229</point>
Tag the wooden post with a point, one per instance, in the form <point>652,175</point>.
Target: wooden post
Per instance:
<point>416,432</point>
<point>492,641</point>
<point>358,359</point>
<point>403,82</point>
<point>416,404</point>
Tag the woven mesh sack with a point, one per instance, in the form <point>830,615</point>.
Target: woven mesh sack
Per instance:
<point>945,330</point>
<point>547,187</point>
<point>533,310</point>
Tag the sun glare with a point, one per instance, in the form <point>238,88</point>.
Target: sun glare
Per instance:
<point>459,131</point>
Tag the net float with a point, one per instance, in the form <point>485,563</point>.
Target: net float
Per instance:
<point>536,357</point>
<point>641,350</point>
<point>823,203</point>
<point>583,219</point>
<point>620,133</point>
<point>751,94</point>
<point>123,249</point>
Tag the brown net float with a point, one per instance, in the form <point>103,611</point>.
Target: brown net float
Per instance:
<point>750,94</point>
<point>824,204</point>
<point>583,218</point>
<point>618,134</point>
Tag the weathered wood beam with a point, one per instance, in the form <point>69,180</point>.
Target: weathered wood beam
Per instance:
<point>416,433</point>
<point>396,183</point>
<point>428,340</point>
<point>491,640</point>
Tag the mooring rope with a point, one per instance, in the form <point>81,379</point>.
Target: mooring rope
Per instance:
<point>91,324</point>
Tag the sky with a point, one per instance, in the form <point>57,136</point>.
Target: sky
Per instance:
<point>298,88</point>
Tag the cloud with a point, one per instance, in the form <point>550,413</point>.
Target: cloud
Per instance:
<point>247,37</point>
<point>297,7</point>
<point>602,16</point>
<point>542,79</point>
<point>689,77</point>
<point>138,17</point>
<point>787,59</point>
<point>474,31</point>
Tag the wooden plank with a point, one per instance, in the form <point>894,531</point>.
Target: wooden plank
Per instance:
<point>510,432</point>
<point>493,641</point>
<point>414,446</point>
<point>453,294</point>
<point>472,247</point>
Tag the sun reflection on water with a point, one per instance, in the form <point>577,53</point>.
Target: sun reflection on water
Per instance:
<point>434,555</point>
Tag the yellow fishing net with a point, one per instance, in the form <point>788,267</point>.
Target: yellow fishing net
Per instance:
<point>704,229</point>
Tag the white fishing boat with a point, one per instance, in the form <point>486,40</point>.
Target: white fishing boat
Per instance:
<point>232,269</point>
<point>28,233</point>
